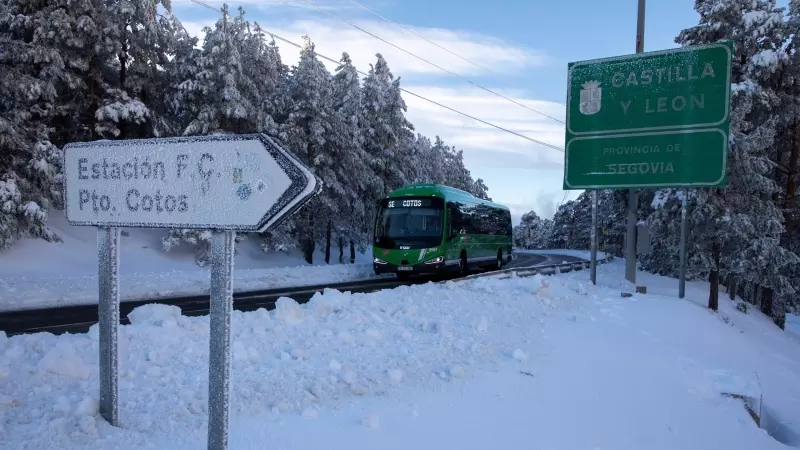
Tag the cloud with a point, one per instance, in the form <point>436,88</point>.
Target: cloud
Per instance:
<point>483,144</point>
<point>331,38</point>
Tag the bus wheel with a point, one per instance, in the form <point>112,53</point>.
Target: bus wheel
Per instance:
<point>463,265</point>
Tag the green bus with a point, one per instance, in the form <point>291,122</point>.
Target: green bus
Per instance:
<point>431,228</point>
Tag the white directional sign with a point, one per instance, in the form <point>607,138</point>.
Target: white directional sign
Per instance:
<point>224,182</point>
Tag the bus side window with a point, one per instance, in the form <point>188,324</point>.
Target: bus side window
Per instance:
<point>449,218</point>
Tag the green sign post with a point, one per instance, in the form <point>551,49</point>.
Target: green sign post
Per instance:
<point>650,120</point>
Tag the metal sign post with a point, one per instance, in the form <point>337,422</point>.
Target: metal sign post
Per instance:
<point>684,226</point>
<point>593,262</point>
<point>108,321</point>
<point>219,367</point>
<point>225,183</point>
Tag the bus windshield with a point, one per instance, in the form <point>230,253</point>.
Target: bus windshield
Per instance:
<point>412,222</point>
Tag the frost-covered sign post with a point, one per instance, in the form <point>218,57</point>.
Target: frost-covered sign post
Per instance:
<point>649,120</point>
<point>223,183</point>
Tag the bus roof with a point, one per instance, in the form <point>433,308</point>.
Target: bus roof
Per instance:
<point>441,191</point>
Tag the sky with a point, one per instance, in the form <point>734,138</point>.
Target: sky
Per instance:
<point>517,48</point>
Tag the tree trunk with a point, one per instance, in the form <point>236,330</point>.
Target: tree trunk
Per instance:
<point>713,278</point>
<point>307,241</point>
<point>328,236</point>
<point>352,252</point>
<point>732,287</point>
<point>791,186</point>
<point>123,75</point>
<point>766,301</point>
<point>341,250</point>
<point>94,101</point>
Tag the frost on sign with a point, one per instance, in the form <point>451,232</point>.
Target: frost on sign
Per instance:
<point>226,182</point>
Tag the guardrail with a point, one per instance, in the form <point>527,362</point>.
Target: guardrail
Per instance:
<point>546,269</point>
<point>78,319</point>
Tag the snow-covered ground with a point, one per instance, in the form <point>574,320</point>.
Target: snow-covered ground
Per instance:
<point>38,274</point>
<point>544,362</point>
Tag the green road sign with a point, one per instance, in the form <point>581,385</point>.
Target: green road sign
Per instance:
<point>657,159</point>
<point>627,115</point>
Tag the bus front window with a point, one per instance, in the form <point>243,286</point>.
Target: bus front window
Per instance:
<point>402,222</point>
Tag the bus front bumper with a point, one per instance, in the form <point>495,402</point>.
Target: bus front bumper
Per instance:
<point>411,269</point>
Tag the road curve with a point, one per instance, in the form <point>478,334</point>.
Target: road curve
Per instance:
<point>78,319</point>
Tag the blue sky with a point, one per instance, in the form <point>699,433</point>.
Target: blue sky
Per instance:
<point>526,44</point>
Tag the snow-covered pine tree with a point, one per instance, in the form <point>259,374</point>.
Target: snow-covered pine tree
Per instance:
<point>529,228</point>
<point>480,189</point>
<point>612,214</point>
<point>387,133</point>
<point>580,227</point>
<point>726,220</point>
<point>664,225</point>
<point>562,226</point>
<point>182,74</point>
<point>138,75</point>
<point>760,258</point>
<point>264,70</point>
<point>220,97</point>
<point>30,165</point>
<point>78,31</point>
<point>306,131</point>
<point>358,181</point>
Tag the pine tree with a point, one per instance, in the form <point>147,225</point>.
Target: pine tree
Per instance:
<point>306,131</point>
<point>743,221</point>
<point>387,134</point>
<point>146,41</point>
<point>358,181</point>
<point>219,97</point>
<point>30,165</point>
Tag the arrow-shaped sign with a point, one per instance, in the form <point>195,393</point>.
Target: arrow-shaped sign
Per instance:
<point>243,183</point>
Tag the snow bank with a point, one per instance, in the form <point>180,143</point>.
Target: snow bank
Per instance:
<point>532,359</point>
<point>67,275</point>
<point>337,346</point>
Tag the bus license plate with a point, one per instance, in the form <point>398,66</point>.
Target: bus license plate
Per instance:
<point>407,268</point>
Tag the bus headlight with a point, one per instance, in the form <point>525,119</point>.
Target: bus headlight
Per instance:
<point>378,261</point>
<point>436,260</point>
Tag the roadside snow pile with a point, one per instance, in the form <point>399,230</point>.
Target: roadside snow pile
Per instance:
<point>290,360</point>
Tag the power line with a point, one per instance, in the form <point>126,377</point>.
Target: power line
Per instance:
<point>428,62</point>
<point>275,36</point>
<point>419,35</point>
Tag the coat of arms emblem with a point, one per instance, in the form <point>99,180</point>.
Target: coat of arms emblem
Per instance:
<point>591,96</point>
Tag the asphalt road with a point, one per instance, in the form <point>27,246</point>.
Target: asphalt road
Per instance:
<point>531,258</point>
<point>78,319</point>
<point>525,260</point>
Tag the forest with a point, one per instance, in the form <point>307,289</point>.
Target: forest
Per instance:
<point>83,70</point>
<point>746,236</point>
